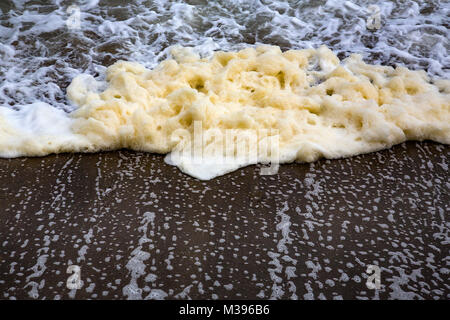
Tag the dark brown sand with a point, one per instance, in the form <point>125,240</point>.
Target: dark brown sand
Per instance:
<point>139,228</point>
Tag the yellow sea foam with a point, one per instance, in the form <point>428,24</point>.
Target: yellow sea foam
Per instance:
<point>318,105</point>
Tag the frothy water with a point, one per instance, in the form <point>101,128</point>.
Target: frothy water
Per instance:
<point>41,51</point>
<point>40,55</point>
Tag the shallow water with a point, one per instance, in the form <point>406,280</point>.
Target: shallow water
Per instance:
<point>41,51</point>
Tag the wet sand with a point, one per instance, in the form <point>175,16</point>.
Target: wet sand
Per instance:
<point>139,228</point>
